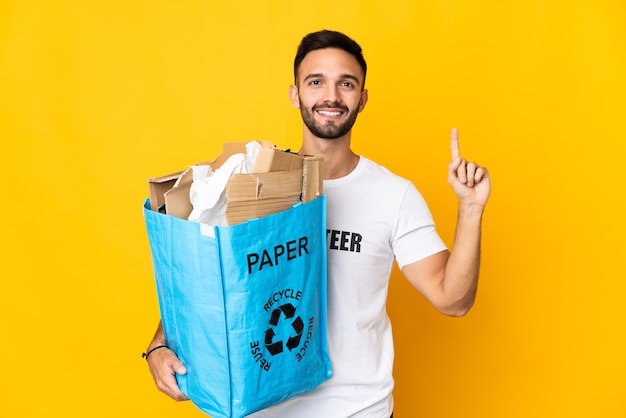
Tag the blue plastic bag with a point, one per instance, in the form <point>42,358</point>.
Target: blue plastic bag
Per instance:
<point>244,306</point>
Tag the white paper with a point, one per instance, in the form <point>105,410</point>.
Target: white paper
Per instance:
<point>207,194</point>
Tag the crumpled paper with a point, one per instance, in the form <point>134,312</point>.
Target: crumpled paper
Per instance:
<point>208,187</point>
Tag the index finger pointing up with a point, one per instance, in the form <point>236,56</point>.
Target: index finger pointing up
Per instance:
<point>454,143</point>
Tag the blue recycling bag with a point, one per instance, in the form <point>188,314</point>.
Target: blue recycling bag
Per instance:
<point>244,306</point>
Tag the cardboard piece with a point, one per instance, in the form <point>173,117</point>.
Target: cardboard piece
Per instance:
<point>158,186</point>
<point>278,180</point>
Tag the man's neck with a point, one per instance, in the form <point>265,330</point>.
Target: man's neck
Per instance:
<point>339,160</point>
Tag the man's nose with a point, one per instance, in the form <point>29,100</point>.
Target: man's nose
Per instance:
<point>331,93</point>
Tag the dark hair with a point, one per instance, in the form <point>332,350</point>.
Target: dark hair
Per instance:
<point>328,39</point>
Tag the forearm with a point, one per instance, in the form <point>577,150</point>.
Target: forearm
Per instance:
<point>461,273</point>
<point>159,337</point>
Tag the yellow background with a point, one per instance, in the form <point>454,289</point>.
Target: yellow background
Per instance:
<point>95,96</point>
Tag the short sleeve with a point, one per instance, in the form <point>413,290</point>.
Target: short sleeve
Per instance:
<point>415,236</point>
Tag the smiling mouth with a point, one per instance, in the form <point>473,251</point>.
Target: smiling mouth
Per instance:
<point>331,113</point>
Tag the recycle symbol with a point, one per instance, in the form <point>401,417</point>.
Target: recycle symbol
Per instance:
<point>276,347</point>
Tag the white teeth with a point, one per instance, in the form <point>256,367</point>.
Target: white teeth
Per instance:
<point>325,113</point>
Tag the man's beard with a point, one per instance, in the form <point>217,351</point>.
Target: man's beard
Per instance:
<point>330,130</point>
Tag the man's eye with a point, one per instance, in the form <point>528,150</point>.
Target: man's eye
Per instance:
<point>315,82</point>
<point>347,84</point>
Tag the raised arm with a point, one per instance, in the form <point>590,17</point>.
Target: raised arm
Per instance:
<point>448,280</point>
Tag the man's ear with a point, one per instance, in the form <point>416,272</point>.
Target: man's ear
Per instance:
<point>294,96</point>
<point>363,101</point>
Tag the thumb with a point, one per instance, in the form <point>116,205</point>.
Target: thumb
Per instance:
<point>180,368</point>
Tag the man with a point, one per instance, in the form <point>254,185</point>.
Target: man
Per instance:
<point>392,223</point>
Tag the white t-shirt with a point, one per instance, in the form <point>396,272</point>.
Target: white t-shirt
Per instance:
<point>373,218</point>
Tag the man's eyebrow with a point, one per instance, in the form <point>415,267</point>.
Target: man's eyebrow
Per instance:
<point>343,77</point>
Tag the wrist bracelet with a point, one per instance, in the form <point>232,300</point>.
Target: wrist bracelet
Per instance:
<point>145,355</point>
